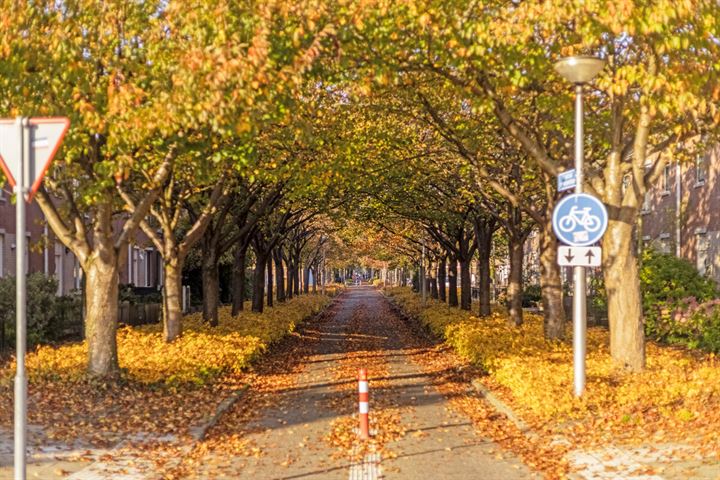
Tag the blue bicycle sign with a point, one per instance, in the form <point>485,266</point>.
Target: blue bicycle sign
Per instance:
<point>579,220</point>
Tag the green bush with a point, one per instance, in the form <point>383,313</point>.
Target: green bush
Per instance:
<point>666,278</point>
<point>692,324</point>
<point>677,302</point>
<point>532,294</point>
<point>41,306</point>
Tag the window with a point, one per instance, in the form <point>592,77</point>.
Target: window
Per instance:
<point>664,243</point>
<point>666,180</point>
<point>700,170</point>
<point>148,266</point>
<point>139,267</point>
<point>59,268</point>
<point>646,202</point>
<point>77,274</point>
<point>702,245</point>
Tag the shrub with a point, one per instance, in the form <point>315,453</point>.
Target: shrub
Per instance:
<point>692,324</point>
<point>532,294</point>
<point>672,289</point>
<point>536,375</point>
<point>199,356</point>
<point>41,306</point>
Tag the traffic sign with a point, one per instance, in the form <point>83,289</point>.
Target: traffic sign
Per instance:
<point>566,180</point>
<point>579,256</point>
<point>579,220</point>
<point>46,135</point>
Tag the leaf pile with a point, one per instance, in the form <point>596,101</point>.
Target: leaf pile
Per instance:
<point>676,398</point>
<point>165,387</point>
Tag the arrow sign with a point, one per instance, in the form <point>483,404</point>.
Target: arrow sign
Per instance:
<point>579,256</point>
<point>46,135</point>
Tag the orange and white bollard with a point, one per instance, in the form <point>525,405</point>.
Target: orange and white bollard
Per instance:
<point>364,403</point>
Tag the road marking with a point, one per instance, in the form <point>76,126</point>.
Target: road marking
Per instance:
<point>368,469</point>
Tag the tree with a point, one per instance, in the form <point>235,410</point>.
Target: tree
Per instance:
<point>136,79</point>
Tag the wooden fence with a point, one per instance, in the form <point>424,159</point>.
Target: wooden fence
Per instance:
<point>139,313</point>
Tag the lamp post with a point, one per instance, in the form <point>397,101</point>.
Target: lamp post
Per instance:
<point>579,71</point>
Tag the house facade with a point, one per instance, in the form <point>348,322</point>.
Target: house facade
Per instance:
<point>681,212</point>
<point>45,254</point>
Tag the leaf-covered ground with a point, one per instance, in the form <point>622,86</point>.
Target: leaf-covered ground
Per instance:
<point>677,398</point>
<point>165,388</point>
<point>299,417</point>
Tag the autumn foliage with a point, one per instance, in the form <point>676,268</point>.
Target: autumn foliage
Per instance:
<point>678,393</point>
<point>200,355</point>
<point>165,389</point>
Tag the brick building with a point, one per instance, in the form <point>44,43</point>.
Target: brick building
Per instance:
<point>47,255</point>
<point>681,212</point>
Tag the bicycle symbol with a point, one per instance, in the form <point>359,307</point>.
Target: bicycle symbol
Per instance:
<point>579,216</point>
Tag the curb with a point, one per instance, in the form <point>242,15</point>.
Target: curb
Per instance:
<point>199,432</point>
<point>501,407</point>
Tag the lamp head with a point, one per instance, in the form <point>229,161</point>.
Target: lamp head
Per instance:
<point>580,69</point>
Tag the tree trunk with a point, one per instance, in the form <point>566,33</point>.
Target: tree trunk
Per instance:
<point>452,280</point>
<point>551,285</point>
<point>269,281</point>
<point>172,298</point>
<point>465,285</point>
<point>279,278</point>
<point>484,252</point>
<point>211,286</point>
<point>290,281</point>
<point>441,278</point>
<point>433,281</point>
<point>259,283</point>
<point>101,314</point>
<point>306,279</point>
<point>484,228</point>
<point>296,277</point>
<point>514,291</point>
<point>238,280</point>
<point>627,338</point>
<point>315,279</point>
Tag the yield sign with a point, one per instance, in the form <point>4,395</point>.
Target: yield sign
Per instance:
<point>46,134</point>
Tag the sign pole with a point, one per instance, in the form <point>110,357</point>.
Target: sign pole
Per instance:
<point>579,288</point>
<point>20,241</point>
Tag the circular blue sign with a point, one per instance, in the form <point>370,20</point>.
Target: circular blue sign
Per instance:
<point>579,220</point>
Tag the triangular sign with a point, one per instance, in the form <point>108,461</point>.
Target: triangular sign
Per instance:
<point>10,149</point>
<point>46,135</point>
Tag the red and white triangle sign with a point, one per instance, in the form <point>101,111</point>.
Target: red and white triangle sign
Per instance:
<point>46,135</point>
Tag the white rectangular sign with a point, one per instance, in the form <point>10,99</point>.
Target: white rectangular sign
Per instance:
<point>579,256</point>
<point>566,180</point>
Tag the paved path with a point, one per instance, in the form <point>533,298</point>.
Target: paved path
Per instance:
<point>427,438</point>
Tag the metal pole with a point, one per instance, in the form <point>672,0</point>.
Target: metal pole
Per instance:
<point>20,240</point>
<point>579,301</point>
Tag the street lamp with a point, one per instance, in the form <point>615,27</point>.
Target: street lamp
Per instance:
<point>579,71</point>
